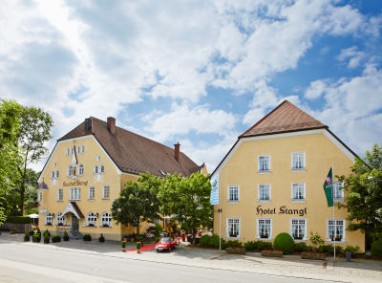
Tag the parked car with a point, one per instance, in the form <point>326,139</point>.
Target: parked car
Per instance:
<point>165,244</point>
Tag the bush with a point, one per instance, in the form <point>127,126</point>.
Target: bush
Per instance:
<point>353,249</point>
<point>46,233</point>
<point>31,233</point>
<point>284,242</point>
<point>233,244</point>
<point>208,241</point>
<point>261,245</point>
<point>66,236</point>
<point>300,247</point>
<point>26,237</point>
<point>87,237</point>
<point>19,220</point>
<point>376,248</point>
<point>251,246</point>
<point>101,238</point>
<point>316,240</point>
<point>46,239</point>
<point>56,239</point>
<point>123,244</point>
<point>329,249</point>
<point>36,238</point>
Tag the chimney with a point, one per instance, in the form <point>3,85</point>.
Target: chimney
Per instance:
<point>176,151</point>
<point>111,125</point>
<point>89,125</point>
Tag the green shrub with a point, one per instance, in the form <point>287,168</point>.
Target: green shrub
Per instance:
<point>19,220</point>
<point>208,241</point>
<point>251,246</point>
<point>316,240</point>
<point>353,249</point>
<point>123,244</point>
<point>31,233</point>
<point>329,249</point>
<point>233,244</point>
<point>284,242</point>
<point>214,241</point>
<point>56,239</point>
<point>87,237</point>
<point>101,238</point>
<point>262,245</point>
<point>376,248</point>
<point>26,237</point>
<point>36,238</point>
<point>46,233</point>
<point>46,239</point>
<point>300,247</point>
<point>205,241</point>
<point>66,236</point>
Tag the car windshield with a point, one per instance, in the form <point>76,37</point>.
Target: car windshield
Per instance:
<point>165,240</point>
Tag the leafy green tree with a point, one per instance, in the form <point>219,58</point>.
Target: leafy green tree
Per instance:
<point>138,201</point>
<point>187,200</point>
<point>34,132</point>
<point>364,193</point>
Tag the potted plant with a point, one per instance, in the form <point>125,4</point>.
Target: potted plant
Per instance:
<point>101,238</point>
<point>234,247</point>
<point>26,237</point>
<point>123,245</point>
<point>138,246</point>
<point>66,236</point>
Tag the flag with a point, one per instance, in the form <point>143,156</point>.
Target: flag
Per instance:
<point>328,187</point>
<point>214,198</point>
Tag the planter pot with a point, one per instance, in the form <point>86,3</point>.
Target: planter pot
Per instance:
<point>235,250</point>
<point>272,253</point>
<point>348,255</point>
<point>309,255</point>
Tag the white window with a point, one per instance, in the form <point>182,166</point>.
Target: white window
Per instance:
<point>106,192</point>
<point>68,151</point>
<point>335,230</point>
<point>298,191</point>
<point>264,163</point>
<point>81,149</point>
<point>40,196</point>
<point>106,219</point>
<point>96,169</point>
<point>60,194</point>
<point>60,219</point>
<point>264,228</point>
<point>75,194</point>
<point>264,192</point>
<point>233,193</point>
<point>91,219</point>
<point>298,161</point>
<point>102,169</point>
<point>81,170</point>
<point>233,227</point>
<point>338,191</point>
<point>55,174</point>
<point>49,219</point>
<point>71,171</point>
<point>298,229</point>
<point>91,193</point>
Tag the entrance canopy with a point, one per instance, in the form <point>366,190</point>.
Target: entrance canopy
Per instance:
<point>73,208</point>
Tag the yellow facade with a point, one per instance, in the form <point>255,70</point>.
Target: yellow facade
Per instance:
<point>89,154</point>
<point>240,168</point>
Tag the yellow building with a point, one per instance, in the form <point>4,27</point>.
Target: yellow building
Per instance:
<point>86,171</point>
<point>271,181</point>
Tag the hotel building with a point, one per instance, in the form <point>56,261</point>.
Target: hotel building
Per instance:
<point>88,168</point>
<point>271,181</point>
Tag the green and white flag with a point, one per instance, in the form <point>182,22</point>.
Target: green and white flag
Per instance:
<point>328,187</point>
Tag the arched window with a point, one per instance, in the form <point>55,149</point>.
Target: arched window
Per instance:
<point>60,220</point>
<point>91,219</point>
<point>49,219</point>
<point>106,219</point>
<point>81,170</point>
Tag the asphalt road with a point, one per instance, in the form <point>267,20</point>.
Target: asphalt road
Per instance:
<point>26,263</point>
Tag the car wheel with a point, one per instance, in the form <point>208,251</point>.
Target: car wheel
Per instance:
<point>169,250</point>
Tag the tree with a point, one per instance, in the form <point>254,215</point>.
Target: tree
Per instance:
<point>364,193</point>
<point>187,200</point>
<point>10,112</point>
<point>137,202</point>
<point>34,132</point>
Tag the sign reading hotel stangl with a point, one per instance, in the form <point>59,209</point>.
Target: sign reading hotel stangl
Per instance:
<point>75,183</point>
<point>282,210</point>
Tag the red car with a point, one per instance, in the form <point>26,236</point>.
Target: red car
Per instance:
<point>165,244</point>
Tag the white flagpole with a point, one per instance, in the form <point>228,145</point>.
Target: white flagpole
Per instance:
<point>334,219</point>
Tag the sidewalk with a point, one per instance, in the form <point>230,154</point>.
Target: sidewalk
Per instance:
<point>358,270</point>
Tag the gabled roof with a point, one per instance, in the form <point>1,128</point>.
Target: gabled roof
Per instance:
<point>284,118</point>
<point>133,153</point>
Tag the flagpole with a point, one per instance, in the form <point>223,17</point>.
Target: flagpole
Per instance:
<point>334,219</point>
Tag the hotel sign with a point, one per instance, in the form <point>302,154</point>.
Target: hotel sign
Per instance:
<point>282,210</point>
<point>75,183</point>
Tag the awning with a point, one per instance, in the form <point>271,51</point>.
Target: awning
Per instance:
<point>33,215</point>
<point>43,186</point>
<point>73,208</point>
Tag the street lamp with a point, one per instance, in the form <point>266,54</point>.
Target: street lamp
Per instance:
<point>220,210</point>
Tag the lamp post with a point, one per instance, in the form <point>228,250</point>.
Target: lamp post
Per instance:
<point>220,210</point>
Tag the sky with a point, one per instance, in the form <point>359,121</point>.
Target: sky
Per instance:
<point>196,72</point>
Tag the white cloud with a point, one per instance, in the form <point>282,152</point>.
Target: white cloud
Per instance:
<point>352,55</point>
<point>316,89</point>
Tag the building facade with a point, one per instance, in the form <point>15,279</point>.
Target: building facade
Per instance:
<point>271,181</point>
<point>87,169</point>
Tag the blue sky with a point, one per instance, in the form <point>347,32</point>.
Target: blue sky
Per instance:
<point>196,72</point>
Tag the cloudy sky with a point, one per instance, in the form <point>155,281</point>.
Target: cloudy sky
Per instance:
<point>197,72</point>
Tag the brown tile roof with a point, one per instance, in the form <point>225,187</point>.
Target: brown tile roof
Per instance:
<point>133,153</point>
<point>284,118</point>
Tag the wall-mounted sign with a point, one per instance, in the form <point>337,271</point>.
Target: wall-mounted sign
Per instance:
<point>75,183</point>
<point>282,210</point>
<point>214,198</point>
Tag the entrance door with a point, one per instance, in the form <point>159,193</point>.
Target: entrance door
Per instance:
<point>74,223</point>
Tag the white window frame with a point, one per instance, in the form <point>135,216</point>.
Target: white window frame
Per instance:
<point>339,193</point>
<point>297,165</point>
<point>75,193</point>
<point>261,188</point>
<point>81,170</point>
<point>261,168</point>
<point>260,222</point>
<point>302,189</point>
<point>339,226</point>
<point>233,227</point>
<point>91,193</point>
<point>300,225</point>
<point>49,219</point>
<point>102,169</point>
<point>60,194</point>
<point>106,192</point>
<point>106,219</point>
<point>233,193</point>
<point>71,170</point>
<point>81,149</point>
<point>91,219</point>
<point>60,220</point>
<point>40,197</point>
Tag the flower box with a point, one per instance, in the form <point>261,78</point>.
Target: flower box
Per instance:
<point>235,250</point>
<point>313,255</point>
<point>272,253</point>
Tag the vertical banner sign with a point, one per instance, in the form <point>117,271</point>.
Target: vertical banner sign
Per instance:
<point>328,187</point>
<point>214,197</point>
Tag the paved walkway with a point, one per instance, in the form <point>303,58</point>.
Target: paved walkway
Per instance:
<point>358,270</point>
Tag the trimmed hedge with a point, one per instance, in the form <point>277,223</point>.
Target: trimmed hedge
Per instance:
<point>284,242</point>
<point>19,220</point>
<point>376,248</point>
